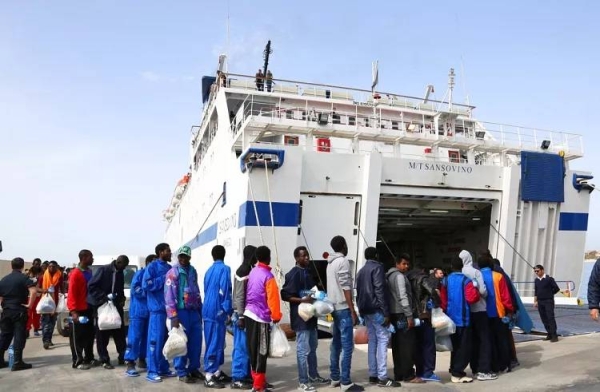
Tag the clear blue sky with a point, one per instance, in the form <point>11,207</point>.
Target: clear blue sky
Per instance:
<point>97,97</point>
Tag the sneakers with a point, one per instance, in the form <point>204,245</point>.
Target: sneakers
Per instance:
<point>318,381</point>
<point>84,366</point>
<point>36,333</point>
<point>169,374</point>
<point>154,378</point>
<point>514,364</point>
<point>95,363</point>
<point>241,385</point>
<point>107,366</point>
<point>461,380</point>
<point>46,345</point>
<point>388,383</point>
<point>306,388</point>
<point>131,372</point>
<point>554,339</point>
<point>335,384</point>
<point>187,379</point>
<point>222,377</point>
<point>432,378</point>
<point>352,388</point>
<point>487,376</point>
<point>213,383</point>
<point>373,380</point>
<point>142,364</point>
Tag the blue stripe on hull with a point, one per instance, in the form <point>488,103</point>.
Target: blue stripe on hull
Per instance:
<point>284,214</point>
<point>573,221</point>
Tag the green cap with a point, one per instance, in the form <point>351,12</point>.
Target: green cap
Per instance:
<point>185,250</point>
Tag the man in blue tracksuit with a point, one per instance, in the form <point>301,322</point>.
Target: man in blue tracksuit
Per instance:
<point>138,323</point>
<point>216,313</point>
<point>153,285</point>
<point>184,308</point>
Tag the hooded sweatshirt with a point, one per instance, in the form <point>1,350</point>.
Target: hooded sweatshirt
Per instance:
<point>475,275</point>
<point>339,278</point>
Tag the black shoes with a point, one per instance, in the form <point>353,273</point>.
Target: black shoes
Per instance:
<point>197,375</point>
<point>187,379</point>
<point>20,366</point>
<point>373,380</point>
<point>213,383</point>
<point>241,385</point>
<point>222,378</point>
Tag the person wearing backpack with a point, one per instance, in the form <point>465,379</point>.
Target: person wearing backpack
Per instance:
<point>425,298</point>
<point>458,293</point>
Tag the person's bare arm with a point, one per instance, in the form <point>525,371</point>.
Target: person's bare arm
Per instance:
<point>32,296</point>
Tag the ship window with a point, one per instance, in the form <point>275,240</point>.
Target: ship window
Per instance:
<point>351,120</point>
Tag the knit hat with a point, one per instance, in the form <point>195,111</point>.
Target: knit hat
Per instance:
<point>185,250</point>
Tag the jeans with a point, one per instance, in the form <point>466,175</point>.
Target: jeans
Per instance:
<point>342,344</point>
<point>48,324</point>
<point>425,353</point>
<point>379,337</point>
<point>306,354</point>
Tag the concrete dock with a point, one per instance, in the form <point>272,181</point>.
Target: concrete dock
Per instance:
<point>570,365</point>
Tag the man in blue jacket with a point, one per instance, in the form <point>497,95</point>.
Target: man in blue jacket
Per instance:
<point>593,295</point>
<point>153,284</point>
<point>296,290</point>
<point>216,313</point>
<point>372,304</point>
<point>138,323</point>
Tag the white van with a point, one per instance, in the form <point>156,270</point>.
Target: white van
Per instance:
<point>135,263</point>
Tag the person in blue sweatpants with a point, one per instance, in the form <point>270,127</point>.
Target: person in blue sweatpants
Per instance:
<point>138,324</point>
<point>216,313</point>
<point>184,304</point>
<point>153,284</point>
<point>240,358</point>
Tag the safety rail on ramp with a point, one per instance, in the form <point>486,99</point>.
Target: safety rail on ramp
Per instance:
<point>564,297</point>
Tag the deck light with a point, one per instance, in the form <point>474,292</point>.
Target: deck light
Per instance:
<point>545,144</point>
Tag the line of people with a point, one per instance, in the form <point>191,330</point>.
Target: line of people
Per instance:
<point>396,306</point>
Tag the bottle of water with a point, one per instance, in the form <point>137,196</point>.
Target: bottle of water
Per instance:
<point>11,356</point>
<point>402,325</point>
<point>81,319</point>
<point>391,328</point>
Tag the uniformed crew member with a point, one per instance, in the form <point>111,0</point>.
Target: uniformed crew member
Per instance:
<point>14,290</point>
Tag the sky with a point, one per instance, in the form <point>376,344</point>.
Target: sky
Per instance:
<point>97,98</point>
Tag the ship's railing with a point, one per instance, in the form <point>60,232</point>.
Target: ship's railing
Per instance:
<point>340,93</point>
<point>524,138</point>
<point>527,289</point>
<point>482,136</point>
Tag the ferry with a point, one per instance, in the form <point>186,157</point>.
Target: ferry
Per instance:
<point>287,163</point>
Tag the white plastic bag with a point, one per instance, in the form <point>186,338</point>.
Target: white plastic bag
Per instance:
<point>62,304</point>
<point>306,311</point>
<point>176,344</point>
<point>279,344</point>
<point>46,305</point>
<point>443,343</point>
<point>108,317</point>
<point>448,330</point>
<point>439,319</point>
<point>323,308</point>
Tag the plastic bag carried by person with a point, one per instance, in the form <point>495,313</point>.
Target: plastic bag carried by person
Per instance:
<point>306,311</point>
<point>279,344</point>
<point>323,308</point>
<point>62,304</point>
<point>46,305</point>
<point>176,344</point>
<point>443,343</point>
<point>108,317</point>
<point>449,329</point>
<point>439,319</point>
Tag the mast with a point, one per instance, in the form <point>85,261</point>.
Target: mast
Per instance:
<point>450,87</point>
<point>266,54</point>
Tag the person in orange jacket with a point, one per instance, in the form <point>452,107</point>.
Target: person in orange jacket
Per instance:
<point>262,308</point>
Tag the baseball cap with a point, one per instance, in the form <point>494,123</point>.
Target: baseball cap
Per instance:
<point>185,250</point>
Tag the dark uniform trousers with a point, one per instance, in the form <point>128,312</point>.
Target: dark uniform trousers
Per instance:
<point>13,324</point>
